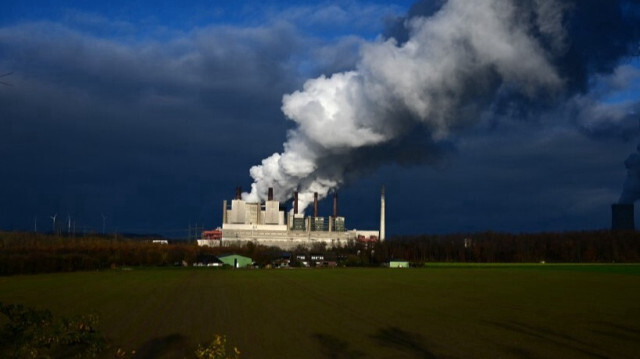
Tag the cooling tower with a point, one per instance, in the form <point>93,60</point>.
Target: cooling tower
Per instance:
<point>622,217</point>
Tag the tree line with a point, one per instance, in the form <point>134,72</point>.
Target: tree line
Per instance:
<point>568,247</point>
<point>24,252</point>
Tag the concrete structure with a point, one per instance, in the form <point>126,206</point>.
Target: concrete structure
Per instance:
<point>236,261</point>
<point>209,242</point>
<point>622,217</point>
<point>267,224</point>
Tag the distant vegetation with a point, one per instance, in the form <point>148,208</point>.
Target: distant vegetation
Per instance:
<point>567,247</point>
<point>23,252</point>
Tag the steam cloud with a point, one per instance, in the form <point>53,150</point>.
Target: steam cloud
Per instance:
<point>438,71</point>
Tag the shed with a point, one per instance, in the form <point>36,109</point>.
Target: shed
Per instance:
<point>397,263</point>
<point>236,261</point>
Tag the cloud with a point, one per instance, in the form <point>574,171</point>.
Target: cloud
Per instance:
<point>154,128</point>
<point>459,62</point>
<point>109,124</point>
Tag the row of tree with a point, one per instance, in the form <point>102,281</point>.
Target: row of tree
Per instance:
<point>38,253</point>
<point>568,247</point>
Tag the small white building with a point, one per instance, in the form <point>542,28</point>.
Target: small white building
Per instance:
<point>208,242</point>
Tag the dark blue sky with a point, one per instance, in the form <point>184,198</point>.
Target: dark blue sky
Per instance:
<point>151,114</point>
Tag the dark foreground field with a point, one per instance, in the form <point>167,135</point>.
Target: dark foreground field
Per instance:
<point>442,311</point>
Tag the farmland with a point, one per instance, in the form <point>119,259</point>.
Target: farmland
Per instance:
<point>441,311</point>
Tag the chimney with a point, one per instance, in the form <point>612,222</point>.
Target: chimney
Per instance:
<point>238,192</point>
<point>295,202</point>
<point>382,215</point>
<point>335,204</point>
<point>270,195</point>
<point>224,212</point>
<point>315,204</point>
<point>622,217</point>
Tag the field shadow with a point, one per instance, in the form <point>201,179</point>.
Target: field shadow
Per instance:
<point>403,340</point>
<point>617,331</point>
<point>557,338</point>
<point>336,348</point>
<point>520,353</point>
<point>169,346</point>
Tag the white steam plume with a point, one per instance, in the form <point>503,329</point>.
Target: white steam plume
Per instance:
<point>452,66</point>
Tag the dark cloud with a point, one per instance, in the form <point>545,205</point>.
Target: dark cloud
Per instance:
<point>155,130</point>
<point>148,133</point>
<point>520,179</point>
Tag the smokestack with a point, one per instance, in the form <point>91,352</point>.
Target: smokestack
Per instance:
<point>335,204</point>
<point>622,217</point>
<point>270,196</point>
<point>224,211</point>
<point>315,204</point>
<point>295,202</point>
<point>238,192</point>
<point>382,215</point>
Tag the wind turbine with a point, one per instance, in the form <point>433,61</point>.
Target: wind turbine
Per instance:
<point>54,222</point>
<point>6,83</point>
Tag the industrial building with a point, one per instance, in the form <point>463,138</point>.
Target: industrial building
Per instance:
<point>270,224</point>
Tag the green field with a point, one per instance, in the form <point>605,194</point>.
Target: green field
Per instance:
<point>441,311</point>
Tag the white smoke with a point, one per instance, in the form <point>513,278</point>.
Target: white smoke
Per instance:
<point>439,81</point>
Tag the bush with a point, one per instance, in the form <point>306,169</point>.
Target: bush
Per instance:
<point>217,349</point>
<point>32,333</point>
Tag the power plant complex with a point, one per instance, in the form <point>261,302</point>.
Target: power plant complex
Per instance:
<point>270,224</point>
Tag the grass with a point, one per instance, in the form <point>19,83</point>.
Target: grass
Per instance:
<point>441,311</point>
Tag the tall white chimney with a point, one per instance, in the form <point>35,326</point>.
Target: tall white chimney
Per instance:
<point>382,219</point>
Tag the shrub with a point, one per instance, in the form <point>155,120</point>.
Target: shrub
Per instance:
<point>32,333</point>
<point>217,349</point>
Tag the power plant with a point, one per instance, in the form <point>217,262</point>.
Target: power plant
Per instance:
<point>269,224</point>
